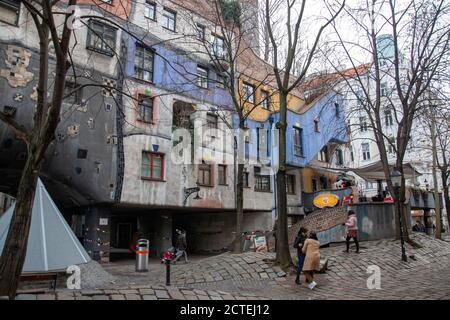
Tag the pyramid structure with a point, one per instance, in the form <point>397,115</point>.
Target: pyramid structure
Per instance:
<point>52,245</point>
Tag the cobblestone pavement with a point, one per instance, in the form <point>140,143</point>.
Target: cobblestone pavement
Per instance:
<point>251,276</point>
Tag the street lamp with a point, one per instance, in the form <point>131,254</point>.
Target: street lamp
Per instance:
<point>396,178</point>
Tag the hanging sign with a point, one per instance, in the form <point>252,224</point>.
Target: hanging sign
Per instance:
<point>326,200</point>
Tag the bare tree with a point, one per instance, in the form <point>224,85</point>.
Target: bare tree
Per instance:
<point>406,44</point>
<point>289,46</point>
<point>230,50</point>
<point>37,139</point>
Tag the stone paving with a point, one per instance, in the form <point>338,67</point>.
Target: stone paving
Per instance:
<point>251,276</point>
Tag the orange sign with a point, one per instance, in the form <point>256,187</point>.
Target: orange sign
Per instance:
<point>326,200</point>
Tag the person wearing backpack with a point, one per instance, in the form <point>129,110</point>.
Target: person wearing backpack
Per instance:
<point>298,244</point>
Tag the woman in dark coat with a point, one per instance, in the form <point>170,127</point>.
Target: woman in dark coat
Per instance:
<point>298,244</point>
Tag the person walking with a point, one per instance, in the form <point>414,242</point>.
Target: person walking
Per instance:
<point>181,245</point>
<point>311,248</point>
<point>352,230</point>
<point>298,244</point>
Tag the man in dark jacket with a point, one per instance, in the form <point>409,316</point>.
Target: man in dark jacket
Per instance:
<point>298,244</point>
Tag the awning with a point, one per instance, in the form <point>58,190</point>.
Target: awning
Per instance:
<point>375,171</point>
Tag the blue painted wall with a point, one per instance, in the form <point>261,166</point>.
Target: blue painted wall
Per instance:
<point>174,71</point>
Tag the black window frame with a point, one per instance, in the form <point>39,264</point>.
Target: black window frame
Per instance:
<point>265,101</point>
<point>142,105</point>
<point>261,181</point>
<point>246,96</point>
<point>165,18</point>
<point>153,4</point>
<point>91,33</point>
<point>77,97</point>
<point>290,184</point>
<point>13,6</point>
<point>142,68</point>
<point>298,148</point>
<point>202,81</point>
<point>200,32</point>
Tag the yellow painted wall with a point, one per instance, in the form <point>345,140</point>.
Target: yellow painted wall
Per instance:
<point>258,113</point>
<point>309,173</point>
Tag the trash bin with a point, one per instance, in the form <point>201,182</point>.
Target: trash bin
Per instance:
<point>142,251</point>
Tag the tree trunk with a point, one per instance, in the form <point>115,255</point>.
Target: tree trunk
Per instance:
<point>237,247</point>
<point>15,248</point>
<point>283,256</point>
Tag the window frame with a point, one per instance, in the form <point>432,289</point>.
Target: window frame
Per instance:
<point>166,17</point>
<point>265,102</point>
<point>218,52</point>
<point>317,125</point>
<point>152,156</point>
<point>77,96</point>
<point>339,155</point>
<point>202,81</point>
<point>246,85</point>
<point>366,153</point>
<point>141,99</point>
<point>12,6</point>
<point>363,124</point>
<point>221,81</point>
<point>150,3</point>
<point>261,180</point>
<point>201,168</point>
<point>142,67</point>
<point>222,176</point>
<point>291,183</point>
<point>200,28</point>
<point>109,51</point>
<point>214,125</point>
<point>298,145</point>
<point>389,119</point>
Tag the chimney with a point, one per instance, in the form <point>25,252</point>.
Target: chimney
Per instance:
<point>250,23</point>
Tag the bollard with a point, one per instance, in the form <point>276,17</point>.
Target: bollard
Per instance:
<point>167,272</point>
<point>142,251</point>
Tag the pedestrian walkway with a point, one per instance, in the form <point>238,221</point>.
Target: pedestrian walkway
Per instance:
<point>252,276</point>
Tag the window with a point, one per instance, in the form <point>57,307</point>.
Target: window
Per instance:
<point>221,81</point>
<point>262,182</point>
<point>76,93</point>
<point>323,183</point>
<point>205,174</point>
<point>388,118</point>
<point>150,10</point>
<point>169,19</point>
<point>249,93</point>
<point>359,98</point>
<point>384,89</point>
<point>145,108</point>
<point>107,1</point>
<point>323,154</point>
<point>337,110</point>
<point>352,155</point>
<point>362,124</point>
<point>365,147</point>
<point>152,167</point>
<point>265,100</point>
<point>262,146</point>
<point>246,179</point>
<point>314,184</point>
<point>290,184</point>
<point>82,153</point>
<point>211,121</point>
<point>247,147</point>
<point>391,145</point>
<point>218,47</point>
<point>201,32</point>
<point>202,77</point>
<point>222,174</point>
<point>339,157</point>
<point>298,141</point>
<point>9,11</point>
<point>317,125</point>
<point>143,63</point>
<point>101,38</point>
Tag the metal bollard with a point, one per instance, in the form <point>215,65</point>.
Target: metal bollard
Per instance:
<point>142,251</point>
<point>168,273</point>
